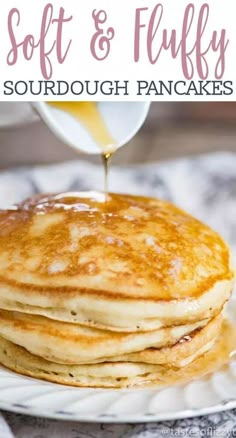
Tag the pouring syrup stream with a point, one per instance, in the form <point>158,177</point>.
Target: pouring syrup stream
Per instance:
<point>90,117</point>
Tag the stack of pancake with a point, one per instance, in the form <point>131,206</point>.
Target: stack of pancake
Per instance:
<point>110,292</point>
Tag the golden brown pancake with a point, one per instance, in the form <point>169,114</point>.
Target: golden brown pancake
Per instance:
<point>117,375</point>
<point>68,343</point>
<point>128,264</point>
<point>183,352</point>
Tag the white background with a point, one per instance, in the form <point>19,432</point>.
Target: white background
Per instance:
<point>120,65</point>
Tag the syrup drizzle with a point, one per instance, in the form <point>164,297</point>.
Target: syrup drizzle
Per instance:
<point>90,117</point>
<point>106,162</point>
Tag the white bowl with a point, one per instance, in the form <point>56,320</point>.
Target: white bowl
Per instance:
<point>123,120</point>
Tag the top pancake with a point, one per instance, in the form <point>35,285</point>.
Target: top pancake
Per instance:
<point>57,249</point>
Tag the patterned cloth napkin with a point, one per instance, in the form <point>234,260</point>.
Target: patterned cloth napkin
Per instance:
<point>5,431</point>
<point>204,186</point>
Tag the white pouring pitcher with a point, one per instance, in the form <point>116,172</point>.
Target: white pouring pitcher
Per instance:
<point>123,120</point>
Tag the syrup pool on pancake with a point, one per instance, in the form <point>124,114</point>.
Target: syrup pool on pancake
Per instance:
<point>90,117</point>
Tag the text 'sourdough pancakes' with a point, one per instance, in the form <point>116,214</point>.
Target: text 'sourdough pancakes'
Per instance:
<point>127,283</point>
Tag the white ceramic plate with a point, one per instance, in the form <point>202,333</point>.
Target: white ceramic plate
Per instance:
<point>214,393</point>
